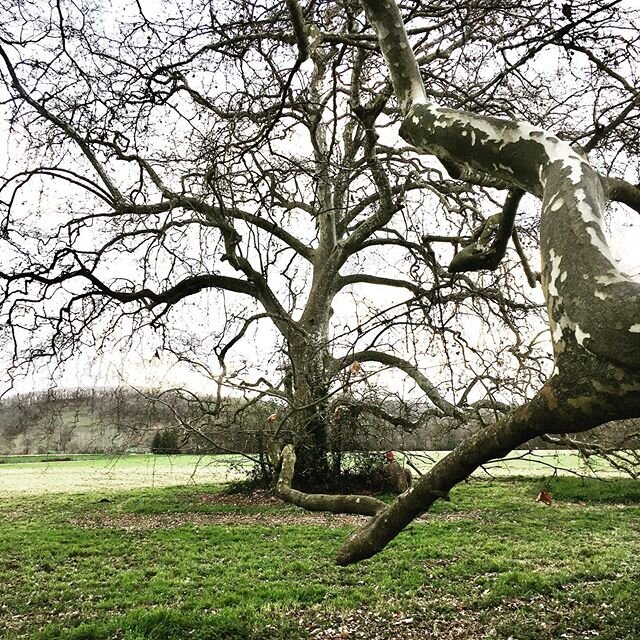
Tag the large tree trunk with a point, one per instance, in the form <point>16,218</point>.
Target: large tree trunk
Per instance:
<point>310,414</point>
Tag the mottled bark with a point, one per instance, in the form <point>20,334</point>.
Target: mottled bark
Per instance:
<point>403,67</point>
<point>586,293</point>
<point>589,300</point>
<point>594,310</point>
<point>592,393</point>
<point>489,243</point>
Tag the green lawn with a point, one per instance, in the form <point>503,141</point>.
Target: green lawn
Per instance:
<point>189,562</point>
<point>37,474</point>
<point>540,462</point>
<point>22,475</point>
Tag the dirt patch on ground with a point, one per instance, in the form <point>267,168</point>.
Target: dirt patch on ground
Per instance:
<point>257,498</point>
<point>269,512</point>
<point>135,521</point>
<point>419,623</point>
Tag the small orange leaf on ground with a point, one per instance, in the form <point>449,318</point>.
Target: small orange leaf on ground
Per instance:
<point>545,496</point>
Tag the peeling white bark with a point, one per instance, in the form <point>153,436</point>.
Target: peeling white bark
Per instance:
<point>575,254</point>
<point>555,261</point>
<point>581,336</point>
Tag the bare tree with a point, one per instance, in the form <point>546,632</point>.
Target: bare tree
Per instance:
<point>167,165</point>
<point>187,177</point>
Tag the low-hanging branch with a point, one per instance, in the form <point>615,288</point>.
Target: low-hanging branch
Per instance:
<point>350,504</point>
<point>489,242</point>
<point>593,308</point>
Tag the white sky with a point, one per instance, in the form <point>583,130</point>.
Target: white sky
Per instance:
<point>144,369</point>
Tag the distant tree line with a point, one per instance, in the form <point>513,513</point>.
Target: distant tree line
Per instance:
<point>116,420</point>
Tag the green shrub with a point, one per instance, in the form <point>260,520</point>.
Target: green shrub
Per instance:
<point>165,442</point>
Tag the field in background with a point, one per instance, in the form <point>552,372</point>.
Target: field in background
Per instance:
<point>109,473</point>
<point>29,475</point>
<point>540,462</point>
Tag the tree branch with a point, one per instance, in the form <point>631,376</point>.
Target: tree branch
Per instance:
<point>622,191</point>
<point>353,504</point>
<point>403,67</point>
<point>411,370</point>
<point>65,127</point>
<point>553,405</point>
<point>484,252</point>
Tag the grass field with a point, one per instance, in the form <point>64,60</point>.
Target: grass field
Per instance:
<point>190,562</point>
<point>22,475</point>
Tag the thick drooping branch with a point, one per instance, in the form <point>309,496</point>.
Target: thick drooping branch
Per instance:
<point>578,405</point>
<point>588,298</point>
<point>489,243</point>
<point>360,505</point>
<point>492,442</point>
<point>593,307</point>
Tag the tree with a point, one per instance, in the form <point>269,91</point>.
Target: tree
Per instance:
<point>173,135</point>
<point>593,307</point>
<point>161,173</point>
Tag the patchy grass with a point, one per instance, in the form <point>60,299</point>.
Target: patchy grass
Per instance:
<point>188,562</point>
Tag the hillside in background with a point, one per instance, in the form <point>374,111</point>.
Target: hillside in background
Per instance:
<point>117,420</point>
<point>79,421</point>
